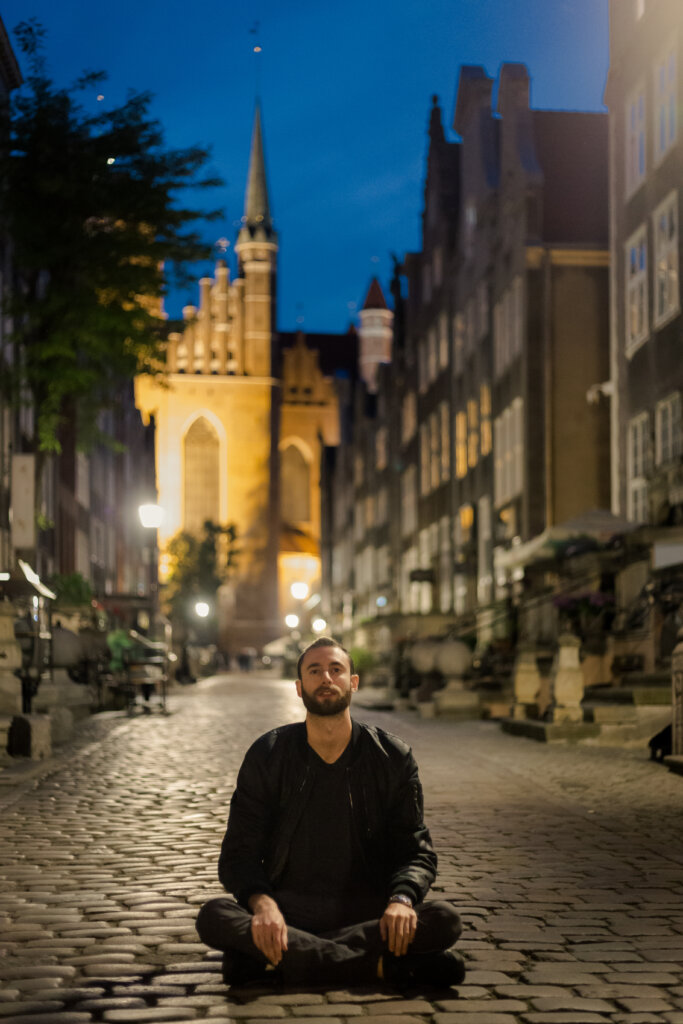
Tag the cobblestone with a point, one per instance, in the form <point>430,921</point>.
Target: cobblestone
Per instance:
<point>566,865</point>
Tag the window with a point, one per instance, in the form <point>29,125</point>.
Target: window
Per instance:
<point>443,341</point>
<point>483,309</point>
<point>437,267</point>
<point>508,326</point>
<point>381,448</point>
<point>508,451</point>
<point>382,506</point>
<point>635,139</point>
<point>638,467</point>
<point>435,450</point>
<point>461,445</point>
<point>484,573</point>
<point>445,442</point>
<point>472,432</point>
<point>458,343</point>
<point>667,286</point>
<point>665,89</point>
<point>422,367</point>
<point>636,290</point>
<point>369,511</point>
<point>485,410</point>
<point>408,417</point>
<point>408,501</point>
<point>202,476</point>
<point>424,458</point>
<point>668,441</point>
<point>445,565</point>
<point>432,364</point>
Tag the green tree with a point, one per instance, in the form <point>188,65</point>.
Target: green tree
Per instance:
<point>90,198</point>
<point>199,565</point>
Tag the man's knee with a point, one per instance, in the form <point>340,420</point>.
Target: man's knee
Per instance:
<point>210,917</point>
<point>443,921</point>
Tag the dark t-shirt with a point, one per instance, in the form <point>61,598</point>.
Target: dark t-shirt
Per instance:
<point>325,886</point>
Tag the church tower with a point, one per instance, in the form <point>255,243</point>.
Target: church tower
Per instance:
<point>216,415</point>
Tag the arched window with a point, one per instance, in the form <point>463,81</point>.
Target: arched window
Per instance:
<point>202,475</point>
<point>295,486</point>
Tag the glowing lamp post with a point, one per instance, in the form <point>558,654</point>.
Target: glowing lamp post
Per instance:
<point>291,621</point>
<point>202,609</point>
<point>151,518</point>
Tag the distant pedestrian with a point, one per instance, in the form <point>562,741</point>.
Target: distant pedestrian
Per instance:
<point>327,854</point>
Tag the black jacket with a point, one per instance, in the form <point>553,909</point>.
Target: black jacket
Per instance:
<point>386,805</point>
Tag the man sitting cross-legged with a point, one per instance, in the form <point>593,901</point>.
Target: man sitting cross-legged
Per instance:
<point>327,853</point>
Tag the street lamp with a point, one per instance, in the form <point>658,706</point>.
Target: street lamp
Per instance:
<point>291,621</point>
<point>318,625</point>
<point>299,591</point>
<point>151,516</point>
<point>202,609</point>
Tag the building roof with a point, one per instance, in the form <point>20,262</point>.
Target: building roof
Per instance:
<point>375,297</point>
<point>337,353</point>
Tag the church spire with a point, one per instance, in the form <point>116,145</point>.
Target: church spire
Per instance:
<point>256,205</point>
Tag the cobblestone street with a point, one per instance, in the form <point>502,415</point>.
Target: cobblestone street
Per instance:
<point>566,864</point>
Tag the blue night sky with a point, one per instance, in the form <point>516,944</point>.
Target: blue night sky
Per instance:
<point>345,91</point>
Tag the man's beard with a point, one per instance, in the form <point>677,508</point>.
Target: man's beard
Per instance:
<point>325,706</point>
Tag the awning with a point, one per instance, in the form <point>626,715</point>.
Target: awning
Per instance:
<point>598,525</point>
<point>24,582</point>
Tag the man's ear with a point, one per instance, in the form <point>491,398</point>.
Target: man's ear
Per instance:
<point>354,682</point>
<point>298,687</point>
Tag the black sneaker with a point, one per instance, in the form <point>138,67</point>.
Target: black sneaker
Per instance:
<point>438,970</point>
<point>241,969</point>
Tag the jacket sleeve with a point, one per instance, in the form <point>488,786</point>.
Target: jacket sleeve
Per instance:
<point>241,863</point>
<point>412,855</point>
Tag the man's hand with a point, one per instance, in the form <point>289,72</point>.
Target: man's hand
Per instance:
<point>397,927</point>
<point>268,928</point>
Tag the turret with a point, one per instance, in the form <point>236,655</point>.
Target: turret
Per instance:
<point>257,252</point>
<point>375,333</point>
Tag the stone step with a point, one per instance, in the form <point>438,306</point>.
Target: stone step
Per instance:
<point>630,694</point>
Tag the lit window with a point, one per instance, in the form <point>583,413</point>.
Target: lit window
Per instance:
<point>668,441</point>
<point>461,445</point>
<point>485,409</point>
<point>636,290</point>
<point>667,284</point>
<point>472,432</point>
<point>638,467</point>
<point>665,89</point>
<point>635,139</point>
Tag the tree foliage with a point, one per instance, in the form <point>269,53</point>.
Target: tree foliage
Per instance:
<point>199,565</point>
<point>90,200</point>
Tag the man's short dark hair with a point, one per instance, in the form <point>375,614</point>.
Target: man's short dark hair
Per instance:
<point>323,641</point>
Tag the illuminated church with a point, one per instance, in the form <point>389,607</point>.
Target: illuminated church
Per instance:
<point>241,418</point>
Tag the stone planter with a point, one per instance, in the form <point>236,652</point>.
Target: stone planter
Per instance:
<point>453,660</point>
<point>527,683</point>
<point>567,681</point>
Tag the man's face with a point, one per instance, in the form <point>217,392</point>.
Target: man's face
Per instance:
<point>326,682</point>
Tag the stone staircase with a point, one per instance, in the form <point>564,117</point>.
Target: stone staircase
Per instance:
<point>629,714</point>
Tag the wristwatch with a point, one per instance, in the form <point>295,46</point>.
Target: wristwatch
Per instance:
<point>400,897</point>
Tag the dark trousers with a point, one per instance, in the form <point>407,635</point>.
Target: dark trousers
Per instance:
<point>344,956</point>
